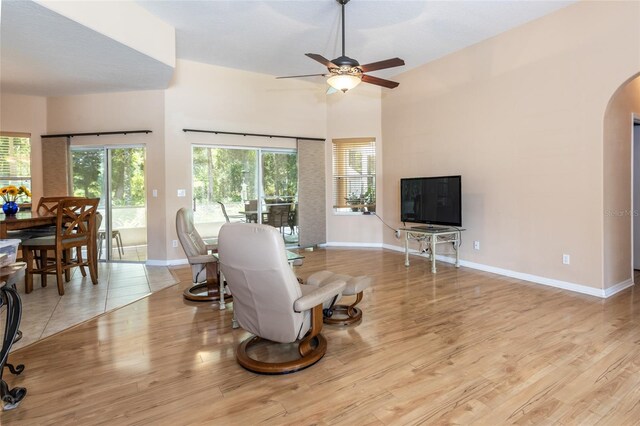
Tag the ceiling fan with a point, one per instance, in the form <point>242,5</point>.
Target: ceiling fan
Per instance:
<point>346,73</point>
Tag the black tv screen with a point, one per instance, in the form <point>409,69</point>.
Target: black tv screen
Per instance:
<point>431,200</point>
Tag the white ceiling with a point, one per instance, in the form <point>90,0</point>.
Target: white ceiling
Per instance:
<point>46,54</point>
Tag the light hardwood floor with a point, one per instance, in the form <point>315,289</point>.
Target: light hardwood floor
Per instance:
<point>44,312</point>
<point>459,347</point>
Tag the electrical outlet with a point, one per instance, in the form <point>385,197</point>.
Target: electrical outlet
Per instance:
<point>182,193</point>
<point>154,193</point>
<point>397,233</point>
<point>566,259</point>
<point>174,243</point>
<point>476,245</point>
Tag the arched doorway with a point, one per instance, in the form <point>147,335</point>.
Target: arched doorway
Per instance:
<point>619,210</point>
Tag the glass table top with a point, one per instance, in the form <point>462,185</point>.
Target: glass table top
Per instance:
<point>291,256</point>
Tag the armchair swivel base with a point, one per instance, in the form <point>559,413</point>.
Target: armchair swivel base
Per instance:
<point>209,290</point>
<point>205,292</point>
<point>342,314</point>
<point>311,349</point>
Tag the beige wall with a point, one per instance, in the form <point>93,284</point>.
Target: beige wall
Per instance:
<point>215,98</point>
<point>27,114</point>
<point>520,117</point>
<point>143,110</point>
<point>201,96</point>
<point>356,114</point>
<point>618,211</point>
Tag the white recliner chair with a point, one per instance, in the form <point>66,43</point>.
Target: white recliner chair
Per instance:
<point>268,301</point>
<point>204,266</point>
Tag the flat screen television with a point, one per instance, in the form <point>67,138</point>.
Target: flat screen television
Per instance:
<point>431,200</point>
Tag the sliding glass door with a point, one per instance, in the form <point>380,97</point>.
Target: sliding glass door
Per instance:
<point>253,185</point>
<point>222,177</point>
<point>280,192</point>
<point>117,176</point>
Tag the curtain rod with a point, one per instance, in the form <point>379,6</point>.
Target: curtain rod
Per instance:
<point>219,132</point>
<point>70,135</point>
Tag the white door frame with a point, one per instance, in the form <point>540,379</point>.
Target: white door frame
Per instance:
<point>635,127</point>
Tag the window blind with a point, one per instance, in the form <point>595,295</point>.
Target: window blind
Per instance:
<point>354,174</point>
<point>15,160</point>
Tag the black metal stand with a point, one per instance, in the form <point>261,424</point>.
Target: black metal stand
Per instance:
<point>9,296</point>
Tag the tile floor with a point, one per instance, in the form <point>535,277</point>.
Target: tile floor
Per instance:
<point>45,312</point>
<point>131,254</point>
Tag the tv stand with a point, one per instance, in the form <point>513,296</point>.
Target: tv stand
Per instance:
<point>432,235</point>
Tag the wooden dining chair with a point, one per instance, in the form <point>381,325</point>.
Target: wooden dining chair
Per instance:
<point>49,205</point>
<point>75,229</point>
<point>46,206</point>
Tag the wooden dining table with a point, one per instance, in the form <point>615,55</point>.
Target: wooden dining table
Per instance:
<point>24,220</point>
<point>32,219</point>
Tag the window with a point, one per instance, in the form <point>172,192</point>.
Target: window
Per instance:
<point>15,159</point>
<point>249,182</point>
<point>354,175</point>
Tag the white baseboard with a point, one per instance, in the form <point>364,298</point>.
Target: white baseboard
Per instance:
<point>365,245</point>
<point>174,262</point>
<point>618,287</point>
<point>551,282</point>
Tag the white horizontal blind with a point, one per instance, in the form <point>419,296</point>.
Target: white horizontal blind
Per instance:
<point>354,174</point>
<point>15,160</point>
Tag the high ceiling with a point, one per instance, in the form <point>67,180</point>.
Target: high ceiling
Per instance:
<point>47,54</point>
<point>44,53</point>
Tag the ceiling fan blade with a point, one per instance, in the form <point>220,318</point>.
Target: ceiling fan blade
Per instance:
<point>379,81</point>
<point>381,65</point>
<point>324,61</point>
<point>305,75</point>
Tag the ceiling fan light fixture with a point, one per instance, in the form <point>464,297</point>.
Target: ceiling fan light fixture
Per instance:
<point>344,82</point>
<point>345,73</point>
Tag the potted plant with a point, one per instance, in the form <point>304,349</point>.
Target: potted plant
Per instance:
<point>355,200</point>
<point>370,200</point>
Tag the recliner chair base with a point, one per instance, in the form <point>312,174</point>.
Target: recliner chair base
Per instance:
<point>209,290</point>
<point>312,355</point>
<point>204,292</point>
<point>341,314</point>
<point>346,315</point>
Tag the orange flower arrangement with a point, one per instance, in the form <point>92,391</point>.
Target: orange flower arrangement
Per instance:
<point>12,192</point>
